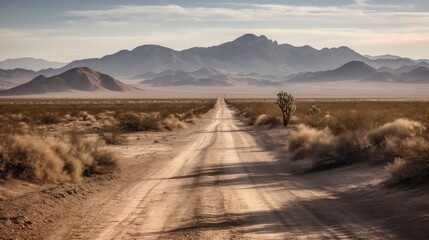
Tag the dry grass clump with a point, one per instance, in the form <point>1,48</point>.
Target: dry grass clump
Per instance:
<point>326,149</point>
<point>171,122</point>
<point>307,142</point>
<point>408,170</point>
<point>132,121</point>
<point>267,120</point>
<point>27,156</point>
<point>49,118</point>
<point>113,134</point>
<point>407,143</point>
<point>395,131</point>
<point>403,144</point>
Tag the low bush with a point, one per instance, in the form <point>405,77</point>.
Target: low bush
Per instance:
<point>407,142</point>
<point>402,144</point>
<point>28,157</point>
<point>408,170</point>
<point>265,119</point>
<point>171,122</point>
<point>326,149</point>
<point>113,134</point>
<point>132,121</point>
<point>49,118</point>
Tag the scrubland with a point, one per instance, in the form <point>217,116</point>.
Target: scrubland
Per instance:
<point>66,140</point>
<point>393,133</point>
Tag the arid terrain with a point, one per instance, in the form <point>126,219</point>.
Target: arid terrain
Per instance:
<point>232,119</point>
<point>217,178</point>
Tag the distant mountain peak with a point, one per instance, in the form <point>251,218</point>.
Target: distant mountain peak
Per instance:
<point>353,64</point>
<point>149,47</point>
<point>249,38</point>
<point>79,78</point>
<point>30,63</point>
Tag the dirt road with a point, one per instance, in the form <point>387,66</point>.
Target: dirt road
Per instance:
<point>221,185</point>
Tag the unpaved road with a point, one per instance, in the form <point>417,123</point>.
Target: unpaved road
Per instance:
<point>221,185</point>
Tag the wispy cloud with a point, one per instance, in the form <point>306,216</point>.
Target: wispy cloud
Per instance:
<point>240,12</point>
<point>365,25</point>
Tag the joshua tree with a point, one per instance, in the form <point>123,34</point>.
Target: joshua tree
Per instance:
<point>286,104</point>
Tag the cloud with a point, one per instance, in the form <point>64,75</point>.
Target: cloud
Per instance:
<point>246,12</point>
<point>363,24</point>
<point>234,12</point>
<point>362,14</point>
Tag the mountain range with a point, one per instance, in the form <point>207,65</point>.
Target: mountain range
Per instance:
<point>248,53</point>
<point>209,77</point>
<point>76,79</point>
<point>29,63</point>
<point>248,60</point>
<point>356,70</point>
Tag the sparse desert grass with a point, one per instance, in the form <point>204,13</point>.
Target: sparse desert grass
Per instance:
<point>28,150</point>
<point>130,115</point>
<point>28,156</point>
<point>344,132</point>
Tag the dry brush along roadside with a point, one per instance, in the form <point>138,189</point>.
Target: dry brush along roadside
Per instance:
<point>337,133</point>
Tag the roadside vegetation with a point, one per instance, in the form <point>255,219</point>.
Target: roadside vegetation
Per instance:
<point>66,140</point>
<point>332,133</point>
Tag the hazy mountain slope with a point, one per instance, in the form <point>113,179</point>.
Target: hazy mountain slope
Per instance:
<point>403,69</point>
<point>384,77</point>
<point>207,77</point>
<point>356,70</point>
<point>311,59</point>
<point>392,63</point>
<point>420,75</point>
<point>248,53</point>
<point>353,70</point>
<point>16,73</point>
<point>14,77</point>
<point>147,58</point>
<point>385,56</point>
<point>29,63</point>
<point>82,79</point>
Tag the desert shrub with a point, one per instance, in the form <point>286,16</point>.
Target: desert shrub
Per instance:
<point>411,170</point>
<point>25,157</point>
<point>172,122</point>
<point>49,118</point>
<point>324,148</point>
<point>407,142</point>
<point>28,157</point>
<point>187,117</point>
<point>307,142</point>
<point>133,121</point>
<point>113,134</point>
<point>104,162</point>
<point>400,128</point>
<point>394,139</point>
<point>265,119</point>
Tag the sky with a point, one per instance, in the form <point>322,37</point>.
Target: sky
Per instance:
<point>63,31</point>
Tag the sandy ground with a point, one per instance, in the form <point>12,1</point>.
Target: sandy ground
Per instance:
<point>218,180</point>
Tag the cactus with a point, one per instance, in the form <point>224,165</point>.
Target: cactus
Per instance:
<point>286,104</point>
